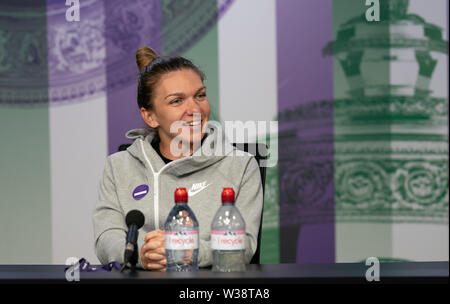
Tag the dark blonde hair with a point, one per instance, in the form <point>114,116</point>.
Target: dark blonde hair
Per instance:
<point>152,67</point>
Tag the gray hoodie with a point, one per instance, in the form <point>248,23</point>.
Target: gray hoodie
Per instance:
<point>217,164</point>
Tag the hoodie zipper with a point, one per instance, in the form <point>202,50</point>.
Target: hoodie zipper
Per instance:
<point>156,184</point>
<point>156,202</point>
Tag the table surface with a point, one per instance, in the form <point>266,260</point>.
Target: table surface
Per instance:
<point>265,273</point>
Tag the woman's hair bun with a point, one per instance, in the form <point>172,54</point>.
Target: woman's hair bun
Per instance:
<point>144,55</point>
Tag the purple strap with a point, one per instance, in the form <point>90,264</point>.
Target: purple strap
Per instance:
<point>85,266</point>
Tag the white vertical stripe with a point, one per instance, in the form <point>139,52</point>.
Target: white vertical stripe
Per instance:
<point>436,14</point>
<point>247,61</point>
<point>355,242</point>
<point>78,148</point>
<point>420,242</point>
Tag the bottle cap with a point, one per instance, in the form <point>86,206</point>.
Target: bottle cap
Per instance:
<point>228,195</point>
<point>181,195</point>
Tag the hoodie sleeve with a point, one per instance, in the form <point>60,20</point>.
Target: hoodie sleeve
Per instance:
<point>109,221</point>
<point>249,201</point>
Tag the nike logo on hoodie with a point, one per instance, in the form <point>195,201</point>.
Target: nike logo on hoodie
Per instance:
<point>196,188</point>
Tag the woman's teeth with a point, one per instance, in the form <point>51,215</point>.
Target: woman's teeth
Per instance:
<point>193,124</point>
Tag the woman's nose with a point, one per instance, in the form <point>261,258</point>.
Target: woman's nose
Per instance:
<point>192,106</point>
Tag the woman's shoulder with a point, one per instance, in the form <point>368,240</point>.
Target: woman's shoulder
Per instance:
<point>120,158</point>
<point>241,156</point>
<point>238,161</point>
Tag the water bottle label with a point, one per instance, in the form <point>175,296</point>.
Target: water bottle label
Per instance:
<point>228,240</point>
<point>176,240</point>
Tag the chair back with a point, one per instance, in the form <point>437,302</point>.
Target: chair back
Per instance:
<point>259,151</point>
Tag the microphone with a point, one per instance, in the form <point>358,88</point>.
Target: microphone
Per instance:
<point>134,220</point>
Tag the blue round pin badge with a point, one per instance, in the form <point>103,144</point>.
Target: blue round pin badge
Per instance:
<point>140,191</point>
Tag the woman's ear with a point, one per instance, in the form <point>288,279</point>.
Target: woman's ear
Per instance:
<point>149,117</point>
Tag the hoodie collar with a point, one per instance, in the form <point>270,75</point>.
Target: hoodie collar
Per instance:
<point>214,148</point>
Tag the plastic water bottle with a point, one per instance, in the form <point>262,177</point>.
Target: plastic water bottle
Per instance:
<point>181,235</point>
<point>228,236</point>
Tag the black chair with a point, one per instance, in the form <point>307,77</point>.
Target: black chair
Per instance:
<point>123,147</point>
<point>259,151</point>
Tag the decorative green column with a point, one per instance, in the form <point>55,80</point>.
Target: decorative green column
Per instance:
<point>391,136</point>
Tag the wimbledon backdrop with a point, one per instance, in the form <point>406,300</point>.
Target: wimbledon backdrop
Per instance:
<point>362,144</point>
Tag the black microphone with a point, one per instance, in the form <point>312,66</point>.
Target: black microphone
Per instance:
<point>134,220</point>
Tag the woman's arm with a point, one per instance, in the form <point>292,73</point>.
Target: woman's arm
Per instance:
<point>109,220</point>
<point>249,201</point>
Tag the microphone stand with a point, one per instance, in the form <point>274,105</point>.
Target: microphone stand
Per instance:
<point>130,259</point>
<point>134,220</point>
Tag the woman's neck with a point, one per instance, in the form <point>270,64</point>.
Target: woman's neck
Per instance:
<point>165,151</point>
<point>183,151</point>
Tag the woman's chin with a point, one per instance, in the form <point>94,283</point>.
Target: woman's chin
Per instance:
<point>195,135</point>
<point>195,140</point>
<point>191,137</point>
<point>190,140</point>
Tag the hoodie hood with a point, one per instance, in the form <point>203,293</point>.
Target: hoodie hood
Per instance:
<point>213,149</point>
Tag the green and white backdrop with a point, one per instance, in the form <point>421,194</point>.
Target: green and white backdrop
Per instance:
<point>362,112</point>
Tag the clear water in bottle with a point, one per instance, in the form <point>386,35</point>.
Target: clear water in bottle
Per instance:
<point>181,235</point>
<point>228,236</point>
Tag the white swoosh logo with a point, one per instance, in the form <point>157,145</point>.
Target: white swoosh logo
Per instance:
<point>194,192</point>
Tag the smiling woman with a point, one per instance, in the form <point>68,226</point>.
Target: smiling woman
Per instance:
<point>173,103</point>
<point>172,99</point>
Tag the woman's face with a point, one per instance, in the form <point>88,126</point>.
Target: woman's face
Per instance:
<point>180,107</point>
